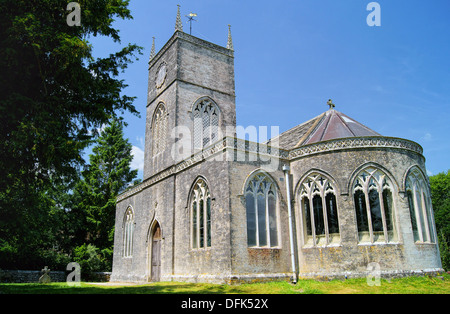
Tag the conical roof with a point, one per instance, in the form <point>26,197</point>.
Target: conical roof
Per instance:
<point>335,125</point>
<point>330,125</point>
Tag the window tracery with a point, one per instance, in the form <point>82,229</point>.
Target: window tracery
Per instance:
<point>372,193</point>
<point>261,211</point>
<point>159,129</point>
<point>206,123</point>
<point>419,203</point>
<point>128,233</point>
<point>200,215</point>
<point>319,210</point>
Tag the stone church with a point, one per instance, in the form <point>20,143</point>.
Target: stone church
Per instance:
<point>327,198</point>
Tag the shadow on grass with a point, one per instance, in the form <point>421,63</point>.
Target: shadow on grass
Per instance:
<point>409,285</point>
<point>159,288</point>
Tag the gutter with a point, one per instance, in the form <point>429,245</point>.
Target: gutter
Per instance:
<point>286,170</point>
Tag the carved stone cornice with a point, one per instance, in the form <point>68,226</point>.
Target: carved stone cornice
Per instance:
<point>238,145</point>
<point>355,142</point>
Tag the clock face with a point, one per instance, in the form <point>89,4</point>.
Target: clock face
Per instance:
<point>161,76</point>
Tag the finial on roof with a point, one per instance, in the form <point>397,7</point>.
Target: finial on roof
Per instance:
<point>230,40</point>
<point>152,52</point>
<point>330,103</point>
<point>178,23</point>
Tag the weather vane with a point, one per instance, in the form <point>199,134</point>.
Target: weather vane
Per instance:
<point>190,19</point>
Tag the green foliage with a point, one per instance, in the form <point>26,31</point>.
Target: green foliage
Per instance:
<point>104,178</point>
<point>89,258</point>
<point>7,254</point>
<point>444,249</point>
<point>53,96</point>
<point>440,197</point>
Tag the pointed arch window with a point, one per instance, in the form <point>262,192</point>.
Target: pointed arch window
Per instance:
<point>319,210</point>
<point>206,123</point>
<point>261,200</point>
<point>200,215</point>
<point>128,231</point>
<point>159,129</point>
<point>373,197</point>
<point>419,202</point>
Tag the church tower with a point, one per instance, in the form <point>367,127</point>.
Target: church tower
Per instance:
<point>191,99</point>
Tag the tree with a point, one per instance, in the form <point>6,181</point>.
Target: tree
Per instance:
<point>440,197</point>
<point>106,176</point>
<point>53,97</point>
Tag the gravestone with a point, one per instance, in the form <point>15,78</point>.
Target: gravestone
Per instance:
<point>45,278</point>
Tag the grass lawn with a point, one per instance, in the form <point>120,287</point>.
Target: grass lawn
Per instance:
<point>409,285</point>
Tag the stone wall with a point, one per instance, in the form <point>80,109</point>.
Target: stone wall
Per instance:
<point>349,255</point>
<point>195,69</point>
<point>153,204</point>
<point>250,263</point>
<point>32,276</point>
<point>29,276</point>
<point>230,259</point>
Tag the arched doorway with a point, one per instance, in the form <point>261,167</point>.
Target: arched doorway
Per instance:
<point>155,256</point>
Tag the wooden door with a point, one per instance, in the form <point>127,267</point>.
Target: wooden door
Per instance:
<point>156,254</point>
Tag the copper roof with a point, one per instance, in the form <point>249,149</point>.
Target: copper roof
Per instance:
<point>331,124</point>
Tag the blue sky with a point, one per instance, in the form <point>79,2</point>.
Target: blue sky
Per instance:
<point>291,56</point>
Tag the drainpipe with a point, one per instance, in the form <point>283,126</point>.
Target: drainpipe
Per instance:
<point>286,170</point>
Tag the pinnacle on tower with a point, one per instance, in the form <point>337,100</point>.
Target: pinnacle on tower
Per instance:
<point>230,40</point>
<point>152,52</point>
<point>178,23</point>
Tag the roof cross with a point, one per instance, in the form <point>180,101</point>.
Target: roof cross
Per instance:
<point>330,103</point>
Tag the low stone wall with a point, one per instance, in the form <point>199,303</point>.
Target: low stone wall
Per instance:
<point>32,276</point>
<point>97,277</point>
<point>29,276</point>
